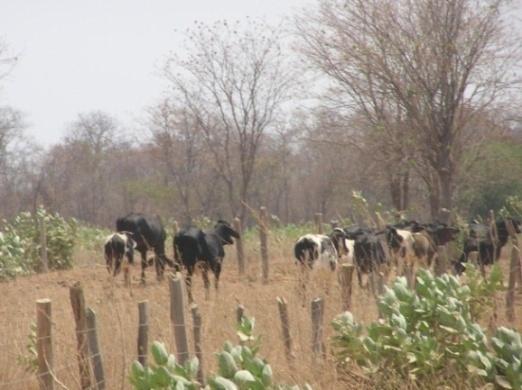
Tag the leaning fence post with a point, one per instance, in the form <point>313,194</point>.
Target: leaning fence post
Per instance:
<point>514,270</point>
<point>318,223</point>
<point>94,348</point>
<point>44,343</point>
<point>239,246</point>
<point>345,279</point>
<point>285,327</point>
<point>143,332</point>
<point>177,317</point>
<point>197,323</point>
<point>441,261</point>
<point>78,306</point>
<point>263,237</point>
<point>318,347</point>
<point>43,245</point>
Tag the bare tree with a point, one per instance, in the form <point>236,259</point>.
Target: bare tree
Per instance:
<point>89,143</point>
<point>420,70</point>
<point>234,79</point>
<point>176,133</point>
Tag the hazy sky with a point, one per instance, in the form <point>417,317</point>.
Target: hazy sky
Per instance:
<point>76,56</point>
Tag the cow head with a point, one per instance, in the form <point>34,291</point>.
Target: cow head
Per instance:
<point>225,232</point>
<point>338,237</point>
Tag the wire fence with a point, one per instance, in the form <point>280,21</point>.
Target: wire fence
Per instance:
<point>118,325</point>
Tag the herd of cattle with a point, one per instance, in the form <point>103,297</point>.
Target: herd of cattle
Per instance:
<point>409,243</point>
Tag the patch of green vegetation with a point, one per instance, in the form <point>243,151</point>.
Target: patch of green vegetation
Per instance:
<point>430,335</point>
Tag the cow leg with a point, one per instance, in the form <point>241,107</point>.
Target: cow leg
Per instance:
<point>160,267</point>
<point>217,272</point>
<point>206,281</point>
<point>143,265</point>
<point>188,282</point>
<point>359,276</point>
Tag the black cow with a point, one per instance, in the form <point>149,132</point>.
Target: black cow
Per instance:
<point>369,250</point>
<point>480,240</point>
<point>149,234</point>
<point>117,246</point>
<point>193,245</point>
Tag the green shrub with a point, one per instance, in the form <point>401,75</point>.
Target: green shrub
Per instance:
<point>430,334</point>
<point>239,368</point>
<point>165,372</point>
<point>90,237</point>
<point>12,255</point>
<point>20,245</point>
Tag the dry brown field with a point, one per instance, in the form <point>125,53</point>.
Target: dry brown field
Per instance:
<point>117,317</point>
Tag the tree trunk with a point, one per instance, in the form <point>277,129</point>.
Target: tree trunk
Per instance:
<point>405,191</point>
<point>446,195</point>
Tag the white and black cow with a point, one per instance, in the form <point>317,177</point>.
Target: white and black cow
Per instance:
<point>149,234</point>
<point>193,245</point>
<point>316,250</point>
<point>116,247</point>
<point>343,245</point>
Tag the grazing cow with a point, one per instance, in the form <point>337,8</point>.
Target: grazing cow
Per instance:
<point>343,245</point>
<point>193,245</point>
<point>369,251</point>
<point>427,237</point>
<point>316,250</point>
<point>116,246</point>
<point>149,234</point>
<point>481,240</point>
<point>400,242</point>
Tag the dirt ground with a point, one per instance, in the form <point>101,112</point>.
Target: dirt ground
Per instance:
<point>117,318</point>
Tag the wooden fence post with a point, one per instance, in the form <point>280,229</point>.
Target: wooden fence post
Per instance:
<point>319,223</point>
<point>94,348</point>
<point>239,246</point>
<point>263,237</point>
<point>43,245</point>
<point>177,317</point>
<point>285,327</point>
<point>143,332</point>
<point>345,279</point>
<point>441,261</point>
<point>78,306</point>
<point>514,271</point>
<point>197,324</point>
<point>318,347</point>
<point>44,344</point>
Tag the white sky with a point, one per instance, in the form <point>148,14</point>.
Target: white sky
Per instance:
<point>80,55</point>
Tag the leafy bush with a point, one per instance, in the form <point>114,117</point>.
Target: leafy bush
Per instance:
<point>20,243</point>
<point>429,334</point>
<point>240,368</point>
<point>90,237</point>
<point>30,360</point>
<point>12,255</point>
<point>165,372</point>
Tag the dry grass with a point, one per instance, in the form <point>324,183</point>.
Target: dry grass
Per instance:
<point>117,313</point>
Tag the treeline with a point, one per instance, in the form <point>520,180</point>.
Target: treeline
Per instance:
<point>413,107</point>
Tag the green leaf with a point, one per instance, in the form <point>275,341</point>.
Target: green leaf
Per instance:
<point>227,364</point>
<point>502,382</point>
<point>220,383</point>
<point>159,353</point>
